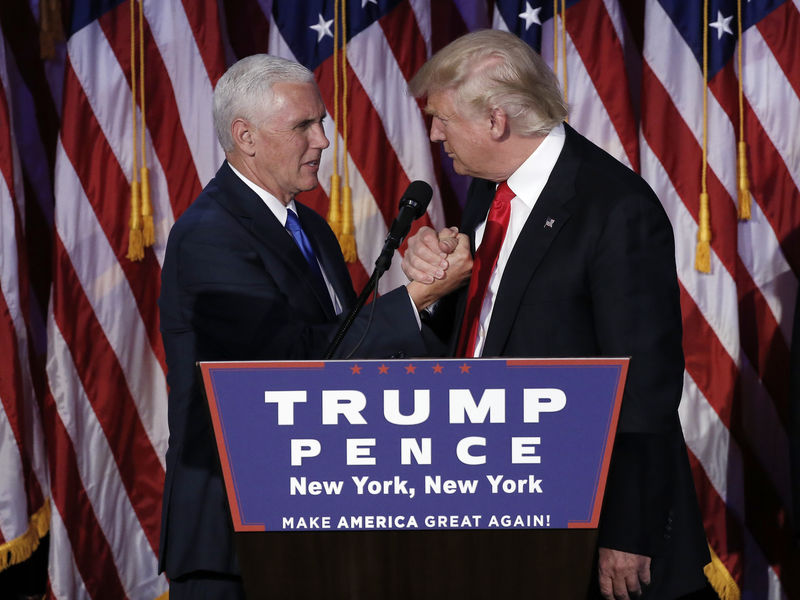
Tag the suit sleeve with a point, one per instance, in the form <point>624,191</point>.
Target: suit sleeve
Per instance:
<point>239,309</point>
<point>636,311</point>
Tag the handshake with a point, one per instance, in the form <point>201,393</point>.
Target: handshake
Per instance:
<point>436,264</point>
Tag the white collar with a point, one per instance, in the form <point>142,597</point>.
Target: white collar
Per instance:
<point>530,177</point>
<point>276,206</point>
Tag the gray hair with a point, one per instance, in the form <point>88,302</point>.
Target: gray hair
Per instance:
<point>247,86</point>
<point>495,69</point>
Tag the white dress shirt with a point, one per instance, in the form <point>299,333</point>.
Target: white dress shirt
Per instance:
<point>280,211</point>
<point>527,183</point>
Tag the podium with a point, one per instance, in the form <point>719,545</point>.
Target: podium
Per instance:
<point>415,478</point>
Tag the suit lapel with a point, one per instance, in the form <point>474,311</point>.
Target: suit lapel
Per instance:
<point>328,251</point>
<point>245,204</point>
<point>548,216</point>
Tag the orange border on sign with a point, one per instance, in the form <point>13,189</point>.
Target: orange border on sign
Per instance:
<point>597,505</point>
<point>222,449</point>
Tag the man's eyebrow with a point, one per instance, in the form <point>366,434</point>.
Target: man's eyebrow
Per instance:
<point>307,122</point>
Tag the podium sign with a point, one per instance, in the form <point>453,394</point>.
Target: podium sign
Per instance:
<point>419,444</point>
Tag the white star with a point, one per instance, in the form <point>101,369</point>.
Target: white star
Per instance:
<point>322,28</point>
<point>722,24</point>
<point>365,2</point>
<point>531,15</point>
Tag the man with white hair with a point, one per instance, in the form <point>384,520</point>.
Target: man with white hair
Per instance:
<point>574,257</point>
<point>250,273</point>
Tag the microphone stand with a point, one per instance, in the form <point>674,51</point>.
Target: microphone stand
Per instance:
<point>351,316</point>
<point>412,206</point>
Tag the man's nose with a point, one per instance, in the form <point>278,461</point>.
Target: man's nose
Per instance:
<point>437,132</point>
<point>320,140</point>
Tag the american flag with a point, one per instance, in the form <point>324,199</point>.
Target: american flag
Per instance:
<point>737,318</point>
<point>24,508</point>
<point>587,41</point>
<point>107,393</point>
<point>102,390</point>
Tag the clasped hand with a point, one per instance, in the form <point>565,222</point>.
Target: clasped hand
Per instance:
<point>436,264</point>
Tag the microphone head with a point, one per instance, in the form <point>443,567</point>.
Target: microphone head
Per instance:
<point>417,195</point>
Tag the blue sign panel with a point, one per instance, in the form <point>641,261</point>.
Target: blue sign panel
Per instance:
<point>420,444</point>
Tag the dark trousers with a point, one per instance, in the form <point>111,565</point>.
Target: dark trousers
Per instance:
<point>206,585</point>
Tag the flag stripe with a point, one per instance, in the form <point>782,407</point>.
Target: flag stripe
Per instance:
<point>65,579</point>
<point>92,554</point>
<point>595,39</point>
<point>755,138</point>
<point>114,306</point>
<point>703,349</point>
<point>727,522</point>
<point>683,171</point>
<point>706,345</point>
<point>373,61</point>
<point>86,424</point>
<point>13,523</point>
<point>203,17</point>
<point>180,184</point>
<point>102,379</point>
<point>375,156</point>
<point>102,185</point>
<point>405,39</point>
<point>737,319</point>
<point>20,444</point>
<point>778,29</point>
<point>105,356</point>
<point>191,88</point>
<point>770,134</point>
<point>14,400</point>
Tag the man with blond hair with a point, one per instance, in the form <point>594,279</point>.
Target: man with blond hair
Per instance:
<point>574,257</point>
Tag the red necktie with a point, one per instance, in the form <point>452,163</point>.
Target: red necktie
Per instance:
<point>485,261</point>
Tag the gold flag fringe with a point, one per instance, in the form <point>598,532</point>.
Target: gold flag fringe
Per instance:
<point>148,230</point>
<point>720,579</point>
<point>340,210</point>
<point>743,199</point>
<point>702,262</point>
<point>51,30</point>
<point>347,240</point>
<point>142,230</point>
<point>335,206</point>
<point>135,241</point>
<point>743,203</point>
<point>21,548</point>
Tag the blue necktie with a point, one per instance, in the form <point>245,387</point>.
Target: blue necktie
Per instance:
<point>300,237</point>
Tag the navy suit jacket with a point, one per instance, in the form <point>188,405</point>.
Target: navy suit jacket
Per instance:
<point>593,274</point>
<point>235,286</point>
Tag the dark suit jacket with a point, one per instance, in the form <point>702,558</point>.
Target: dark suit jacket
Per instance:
<point>600,280</point>
<point>794,419</point>
<point>235,286</point>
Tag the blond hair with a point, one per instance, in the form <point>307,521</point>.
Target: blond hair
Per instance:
<point>491,69</point>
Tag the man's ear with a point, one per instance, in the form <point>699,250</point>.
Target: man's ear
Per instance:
<point>242,133</point>
<point>498,123</point>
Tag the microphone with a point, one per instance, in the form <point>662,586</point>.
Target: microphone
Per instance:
<point>412,206</point>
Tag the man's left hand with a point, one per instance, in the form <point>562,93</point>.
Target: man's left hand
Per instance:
<point>622,575</point>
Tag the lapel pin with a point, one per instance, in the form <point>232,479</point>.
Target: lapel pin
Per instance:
<point>549,222</point>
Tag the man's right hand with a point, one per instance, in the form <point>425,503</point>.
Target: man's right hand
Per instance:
<point>437,264</point>
<point>426,258</point>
